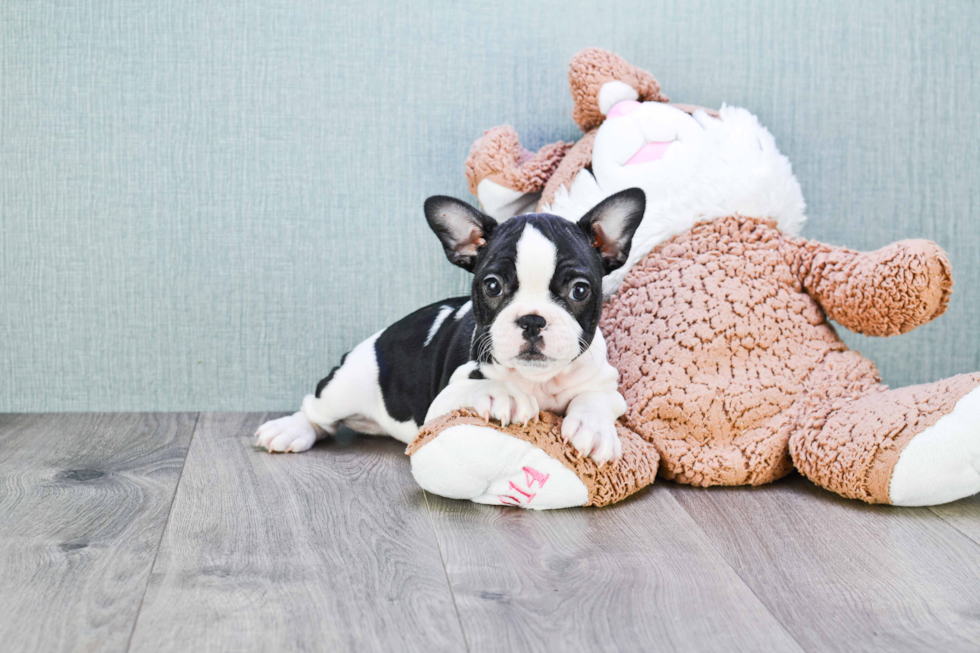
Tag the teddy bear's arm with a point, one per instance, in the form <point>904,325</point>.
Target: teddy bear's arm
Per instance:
<point>500,172</point>
<point>881,293</point>
<point>577,158</point>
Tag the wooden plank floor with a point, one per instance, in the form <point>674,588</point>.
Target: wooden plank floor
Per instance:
<point>163,532</point>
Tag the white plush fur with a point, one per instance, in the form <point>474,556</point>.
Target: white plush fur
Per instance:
<point>500,202</point>
<point>716,168</point>
<point>942,463</point>
<point>486,466</point>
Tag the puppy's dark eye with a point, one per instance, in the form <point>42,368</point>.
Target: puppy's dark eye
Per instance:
<point>580,291</point>
<point>492,287</point>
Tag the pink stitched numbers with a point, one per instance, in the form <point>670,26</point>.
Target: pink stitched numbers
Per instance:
<point>531,476</point>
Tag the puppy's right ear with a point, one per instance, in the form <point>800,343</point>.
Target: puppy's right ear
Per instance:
<point>462,229</point>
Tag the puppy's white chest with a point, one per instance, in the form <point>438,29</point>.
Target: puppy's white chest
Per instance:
<point>551,395</point>
<point>590,372</point>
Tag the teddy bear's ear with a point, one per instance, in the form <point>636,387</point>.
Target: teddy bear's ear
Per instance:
<point>599,78</point>
<point>462,229</point>
<point>611,225</point>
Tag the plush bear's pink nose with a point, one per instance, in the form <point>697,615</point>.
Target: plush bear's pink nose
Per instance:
<point>623,108</point>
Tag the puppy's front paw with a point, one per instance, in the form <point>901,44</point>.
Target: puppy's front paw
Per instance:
<point>292,433</point>
<point>504,402</point>
<point>592,434</point>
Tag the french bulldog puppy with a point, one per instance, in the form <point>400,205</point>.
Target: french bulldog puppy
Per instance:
<point>525,340</point>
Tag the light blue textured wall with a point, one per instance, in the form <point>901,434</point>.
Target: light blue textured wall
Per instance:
<point>205,203</point>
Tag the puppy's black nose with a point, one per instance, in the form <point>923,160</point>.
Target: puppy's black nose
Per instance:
<point>532,325</point>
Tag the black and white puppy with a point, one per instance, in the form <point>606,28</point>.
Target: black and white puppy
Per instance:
<point>525,340</point>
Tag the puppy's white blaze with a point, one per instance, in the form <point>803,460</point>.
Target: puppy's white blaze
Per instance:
<point>444,312</point>
<point>536,260</point>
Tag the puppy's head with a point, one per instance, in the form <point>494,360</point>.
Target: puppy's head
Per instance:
<point>537,286</point>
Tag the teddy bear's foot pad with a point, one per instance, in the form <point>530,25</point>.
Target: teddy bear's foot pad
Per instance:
<point>485,465</point>
<point>942,463</point>
<point>460,456</point>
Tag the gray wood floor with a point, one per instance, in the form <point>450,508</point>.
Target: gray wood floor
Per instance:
<point>170,532</point>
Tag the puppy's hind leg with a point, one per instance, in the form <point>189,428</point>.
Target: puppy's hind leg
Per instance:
<point>348,391</point>
<point>297,432</point>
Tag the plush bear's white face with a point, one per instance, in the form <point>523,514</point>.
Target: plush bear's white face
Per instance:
<point>646,140</point>
<point>692,164</point>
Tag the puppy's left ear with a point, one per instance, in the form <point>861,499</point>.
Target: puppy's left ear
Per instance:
<point>611,225</point>
<point>462,229</point>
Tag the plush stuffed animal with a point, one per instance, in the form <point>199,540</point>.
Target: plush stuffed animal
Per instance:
<point>718,323</point>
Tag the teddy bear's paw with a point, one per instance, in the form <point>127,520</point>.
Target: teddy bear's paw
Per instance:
<point>942,463</point>
<point>500,202</point>
<point>507,178</point>
<point>614,92</point>
<point>289,434</point>
<point>485,465</point>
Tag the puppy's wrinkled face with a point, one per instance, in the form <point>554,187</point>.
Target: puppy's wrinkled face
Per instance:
<point>537,287</point>
<point>537,295</point>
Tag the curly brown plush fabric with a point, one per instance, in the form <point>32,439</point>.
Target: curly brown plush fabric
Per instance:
<point>593,67</point>
<point>728,361</point>
<point>498,155</point>
<point>731,370</point>
<point>884,293</point>
<point>635,470</point>
<point>724,356</point>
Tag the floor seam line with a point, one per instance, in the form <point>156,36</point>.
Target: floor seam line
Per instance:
<point>163,532</point>
<point>445,570</point>
<point>952,525</point>
<point>735,571</point>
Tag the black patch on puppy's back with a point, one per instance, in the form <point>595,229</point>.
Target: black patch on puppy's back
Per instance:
<point>410,372</point>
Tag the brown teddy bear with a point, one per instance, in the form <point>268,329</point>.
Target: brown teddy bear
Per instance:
<point>718,323</point>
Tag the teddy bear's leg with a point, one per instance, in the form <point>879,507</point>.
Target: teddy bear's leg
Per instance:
<point>600,79</point>
<point>913,446</point>
<point>461,456</point>
<point>506,178</point>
